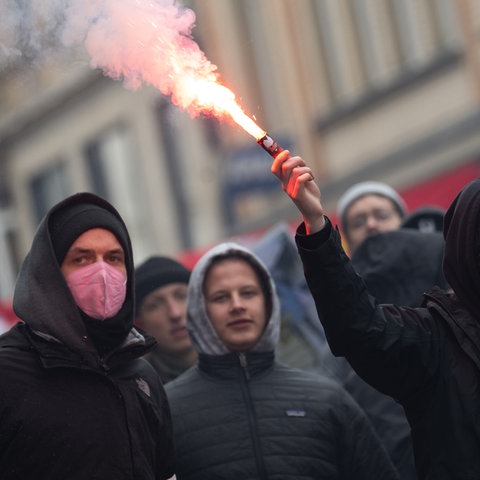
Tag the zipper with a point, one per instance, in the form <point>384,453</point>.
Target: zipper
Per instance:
<point>251,416</point>
<point>244,364</point>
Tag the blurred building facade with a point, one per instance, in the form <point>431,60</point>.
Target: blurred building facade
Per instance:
<point>362,89</point>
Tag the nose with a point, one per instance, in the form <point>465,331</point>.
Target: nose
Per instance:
<point>236,301</point>
<point>176,309</point>
<point>372,223</point>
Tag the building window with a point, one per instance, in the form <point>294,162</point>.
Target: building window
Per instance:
<point>47,188</point>
<point>373,49</point>
<point>112,162</point>
<point>338,43</point>
<point>367,45</point>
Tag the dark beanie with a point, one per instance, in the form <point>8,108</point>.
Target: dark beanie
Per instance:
<point>157,272</point>
<point>426,219</point>
<point>67,224</point>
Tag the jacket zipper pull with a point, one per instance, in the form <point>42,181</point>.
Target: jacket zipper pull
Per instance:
<point>243,363</point>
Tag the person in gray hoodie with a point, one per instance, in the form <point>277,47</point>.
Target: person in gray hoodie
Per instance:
<point>238,413</point>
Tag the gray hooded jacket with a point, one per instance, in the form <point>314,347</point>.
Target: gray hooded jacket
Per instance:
<point>244,416</point>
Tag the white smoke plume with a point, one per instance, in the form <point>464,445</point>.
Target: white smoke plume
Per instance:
<point>28,30</point>
<point>136,41</point>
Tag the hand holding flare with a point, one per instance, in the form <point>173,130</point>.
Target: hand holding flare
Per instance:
<point>298,183</point>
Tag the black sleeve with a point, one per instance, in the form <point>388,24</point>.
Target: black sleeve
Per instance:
<point>383,343</point>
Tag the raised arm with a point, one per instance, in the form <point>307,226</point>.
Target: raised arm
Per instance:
<point>381,348</point>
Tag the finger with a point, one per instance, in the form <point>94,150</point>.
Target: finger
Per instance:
<point>304,169</point>
<point>300,183</point>
<point>284,163</point>
<point>290,174</point>
<point>288,167</point>
<point>278,161</point>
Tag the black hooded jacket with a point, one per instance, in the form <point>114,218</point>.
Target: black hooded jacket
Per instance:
<point>398,267</point>
<point>67,412</point>
<point>426,358</point>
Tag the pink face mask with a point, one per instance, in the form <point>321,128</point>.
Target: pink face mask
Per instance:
<point>98,289</point>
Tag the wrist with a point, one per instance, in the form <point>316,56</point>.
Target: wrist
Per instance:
<point>314,225</point>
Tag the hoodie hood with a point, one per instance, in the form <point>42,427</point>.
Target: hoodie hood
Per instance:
<point>462,246</point>
<point>203,335</point>
<point>42,298</point>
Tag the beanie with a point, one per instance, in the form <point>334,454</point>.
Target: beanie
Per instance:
<point>369,188</point>
<point>426,219</point>
<point>67,224</point>
<point>157,272</point>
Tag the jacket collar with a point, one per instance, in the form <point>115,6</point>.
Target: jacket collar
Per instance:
<point>54,353</point>
<point>229,366</point>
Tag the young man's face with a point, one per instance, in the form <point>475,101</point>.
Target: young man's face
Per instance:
<point>163,314</point>
<point>368,215</point>
<point>94,245</point>
<point>235,303</point>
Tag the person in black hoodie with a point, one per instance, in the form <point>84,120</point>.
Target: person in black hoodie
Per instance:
<point>241,415</point>
<point>76,400</point>
<point>397,267</point>
<point>427,358</point>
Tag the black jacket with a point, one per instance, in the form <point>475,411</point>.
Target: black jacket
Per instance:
<point>398,267</point>
<point>250,418</point>
<point>426,358</point>
<point>67,412</point>
<point>246,417</point>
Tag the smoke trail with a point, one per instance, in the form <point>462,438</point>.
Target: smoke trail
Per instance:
<point>141,41</point>
<point>29,31</point>
<point>136,41</point>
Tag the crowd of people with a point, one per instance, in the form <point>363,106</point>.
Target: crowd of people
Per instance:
<point>152,371</point>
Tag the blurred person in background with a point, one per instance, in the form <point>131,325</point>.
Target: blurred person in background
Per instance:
<point>77,401</point>
<point>161,309</point>
<point>367,208</point>
<point>426,358</point>
<point>427,218</point>
<point>239,414</point>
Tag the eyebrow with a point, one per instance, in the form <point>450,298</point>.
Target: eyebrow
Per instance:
<point>80,250</point>
<point>77,250</point>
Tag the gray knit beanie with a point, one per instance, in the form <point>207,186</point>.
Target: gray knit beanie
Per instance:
<point>369,188</point>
